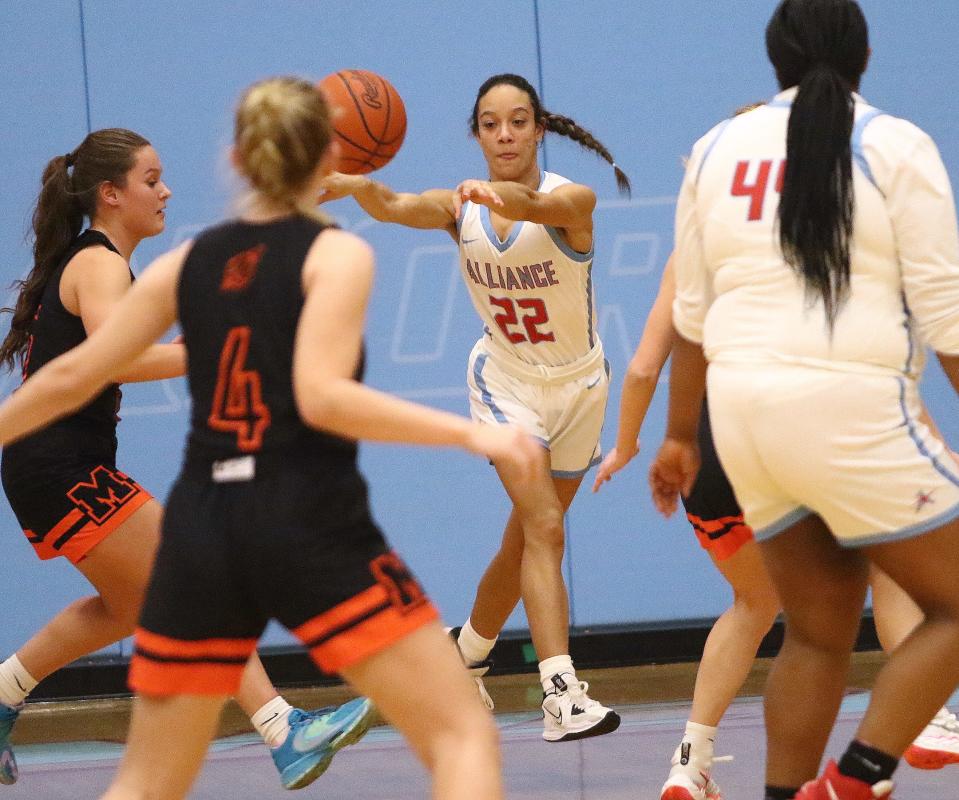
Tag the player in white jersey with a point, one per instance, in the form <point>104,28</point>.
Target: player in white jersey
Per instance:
<point>526,252</point>
<point>817,253</point>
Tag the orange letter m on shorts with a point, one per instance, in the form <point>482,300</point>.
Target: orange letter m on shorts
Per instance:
<point>107,491</point>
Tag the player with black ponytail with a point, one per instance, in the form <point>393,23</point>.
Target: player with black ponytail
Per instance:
<point>817,253</point>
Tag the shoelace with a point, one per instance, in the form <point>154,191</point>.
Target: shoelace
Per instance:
<point>577,692</point>
<point>946,719</point>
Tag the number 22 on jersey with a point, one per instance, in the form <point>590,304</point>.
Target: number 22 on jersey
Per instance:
<point>756,191</point>
<point>238,405</point>
<point>531,322</point>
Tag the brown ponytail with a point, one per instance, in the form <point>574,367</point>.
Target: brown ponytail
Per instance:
<point>65,199</point>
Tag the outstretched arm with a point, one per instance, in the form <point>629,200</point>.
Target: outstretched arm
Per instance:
<point>642,377</point>
<point>337,279</point>
<point>569,206</point>
<point>66,383</point>
<point>431,209</point>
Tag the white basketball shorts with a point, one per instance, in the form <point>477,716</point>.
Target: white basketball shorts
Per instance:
<point>563,407</point>
<point>849,447</point>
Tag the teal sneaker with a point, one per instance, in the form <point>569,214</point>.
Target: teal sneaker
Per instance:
<point>315,737</point>
<point>8,764</point>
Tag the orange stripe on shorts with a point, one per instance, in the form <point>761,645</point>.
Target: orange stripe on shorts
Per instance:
<point>369,636</point>
<point>722,537</point>
<point>78,546</point>
<point>163,647</point>
<point>174,678</point>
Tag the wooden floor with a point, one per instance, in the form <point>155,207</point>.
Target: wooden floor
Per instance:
<point>107,719</point>
<point>69,750</point>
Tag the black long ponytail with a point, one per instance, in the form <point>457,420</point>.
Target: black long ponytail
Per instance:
<point>820,46</point>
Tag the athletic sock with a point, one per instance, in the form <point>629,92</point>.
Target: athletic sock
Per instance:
<point>272,721</point>
<point>696,748</point>
<point>475,648</point>
<point>866,763</point>
<point>15,682</point>
<point>780,792</point>
<point>555,665</point>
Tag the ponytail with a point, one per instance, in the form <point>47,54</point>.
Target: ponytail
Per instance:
<point>821,47</point>
<point>817,203</point>
<point>57,220</point>
<point>68,193</point>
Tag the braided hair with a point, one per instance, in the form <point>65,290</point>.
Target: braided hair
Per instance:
<point>555,123</point>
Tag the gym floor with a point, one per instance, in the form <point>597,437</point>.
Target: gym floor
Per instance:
<point>70,750</point>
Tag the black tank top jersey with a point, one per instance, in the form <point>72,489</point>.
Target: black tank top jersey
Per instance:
<point>55,330</point>
<point>240,297</point>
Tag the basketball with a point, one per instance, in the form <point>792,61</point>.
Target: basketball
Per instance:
<point>368,116</point>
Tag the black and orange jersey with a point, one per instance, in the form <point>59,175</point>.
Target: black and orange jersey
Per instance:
<point>55,330</point>
<point>240,297</point>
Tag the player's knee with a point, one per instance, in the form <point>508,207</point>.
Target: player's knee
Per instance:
<point>472,732</point>
<point>760,605</point>
<point>544,528</point>
<point>124,615</point>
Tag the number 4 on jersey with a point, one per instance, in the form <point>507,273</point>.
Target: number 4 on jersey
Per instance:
<point>756,191</point>
<point>238,405</point>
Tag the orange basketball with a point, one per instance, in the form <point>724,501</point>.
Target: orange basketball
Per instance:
<point>369,118</point>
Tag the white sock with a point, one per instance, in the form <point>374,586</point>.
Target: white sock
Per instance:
<point>555,665</point>
<point>272,721</point>
<point>15,682</point>
<point>475,648</point>
<point>699,755</point>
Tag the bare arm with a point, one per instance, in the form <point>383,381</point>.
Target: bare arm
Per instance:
<point>677,462</point>
<point>569,206</point>
<point>337,279</point>
<point>642,377</point>
<point>431,209</point>
<point>67,382</point>
<point>94,283</point>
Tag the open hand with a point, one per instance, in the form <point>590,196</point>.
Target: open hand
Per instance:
<point>478,192</point>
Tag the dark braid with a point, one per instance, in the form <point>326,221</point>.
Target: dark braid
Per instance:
<point>564,126</point>
<point>555,123</point>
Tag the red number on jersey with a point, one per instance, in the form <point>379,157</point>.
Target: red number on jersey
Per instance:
<point>756,191</point>
<point>507,318</point>
<point>538,317</point>
<point>238,405</point>
<point>530,321</point>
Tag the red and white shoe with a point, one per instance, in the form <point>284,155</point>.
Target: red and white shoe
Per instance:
<point>937,745</point>
<point>689,780</point>
<point>833,785</point>
<point>681,786</point>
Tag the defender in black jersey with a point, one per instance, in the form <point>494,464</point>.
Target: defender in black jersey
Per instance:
<point>269,517</point>
<point>62,482</point>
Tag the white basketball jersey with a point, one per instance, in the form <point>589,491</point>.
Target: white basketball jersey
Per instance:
<point>533,292</point>
<point>736,294</point>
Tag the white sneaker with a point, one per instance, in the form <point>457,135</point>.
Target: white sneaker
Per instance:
<point>937,745</point>
<point>569,714</point>
<point>477,669</point>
